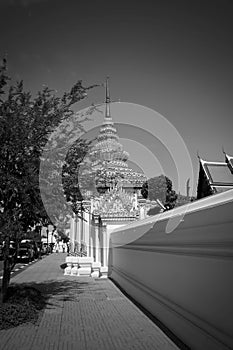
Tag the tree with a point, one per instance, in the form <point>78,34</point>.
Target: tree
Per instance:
<point>84,175</point>
<point>25,126</point>
<point>160,187</point>
<point>77,175</point>
<point>62,236</point>
<point>171,195</point>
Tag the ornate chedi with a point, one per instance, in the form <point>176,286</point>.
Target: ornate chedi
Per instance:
<point>117,200</point>
<point>109,160</point>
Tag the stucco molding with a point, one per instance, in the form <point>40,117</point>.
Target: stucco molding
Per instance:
<point>216,336</point>
<point>204,249</point>
<point>211,205</point>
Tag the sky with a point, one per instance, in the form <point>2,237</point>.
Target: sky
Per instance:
<point>169,63</point>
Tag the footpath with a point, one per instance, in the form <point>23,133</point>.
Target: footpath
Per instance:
<point>82,313</point>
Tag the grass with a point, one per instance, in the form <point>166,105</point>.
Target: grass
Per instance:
<point>24,304</point>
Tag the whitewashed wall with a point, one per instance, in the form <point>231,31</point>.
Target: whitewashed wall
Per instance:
<point>184,278</point>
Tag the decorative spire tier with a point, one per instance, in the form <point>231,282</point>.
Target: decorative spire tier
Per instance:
<point>108,156</point>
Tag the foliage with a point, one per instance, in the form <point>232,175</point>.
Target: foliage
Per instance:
<point>182,200</point>
<point>77,175</point>
<point>84,175</point>
<point>25,126</point>
<point>160,187</point>
<point>23,305</point>
<point>62,236</point>
<point>171,195</point>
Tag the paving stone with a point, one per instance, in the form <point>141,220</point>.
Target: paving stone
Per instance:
<point>82,314</point>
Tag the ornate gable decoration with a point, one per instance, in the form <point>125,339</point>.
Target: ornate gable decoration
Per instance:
<point>116,202</point>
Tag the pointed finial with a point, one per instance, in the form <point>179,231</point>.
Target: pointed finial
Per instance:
<point>187,187</point>
<point>107,101</point>
<point>226,158</point>
<point>198,156</point>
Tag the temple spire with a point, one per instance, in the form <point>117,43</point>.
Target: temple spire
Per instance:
<point>107,101</point>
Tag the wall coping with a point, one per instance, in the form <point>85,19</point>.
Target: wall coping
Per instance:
<point>206,203</point>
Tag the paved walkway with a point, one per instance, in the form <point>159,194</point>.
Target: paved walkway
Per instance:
<point>82,313</point>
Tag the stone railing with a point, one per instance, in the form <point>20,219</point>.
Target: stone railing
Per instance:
<point>185,277</point>
<point>84,266</point>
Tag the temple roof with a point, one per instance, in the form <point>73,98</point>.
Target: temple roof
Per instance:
<point>229,161</point>
<point>218,173</point>
<point>215,176</point>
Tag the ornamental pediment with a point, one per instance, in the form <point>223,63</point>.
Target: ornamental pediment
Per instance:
<point>116,202</point>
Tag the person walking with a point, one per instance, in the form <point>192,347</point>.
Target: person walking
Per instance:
<point>57,247</point>
<point>68,247</point>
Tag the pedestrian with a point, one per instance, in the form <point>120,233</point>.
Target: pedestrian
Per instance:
<point>68,247</point>
<point>57,247</point>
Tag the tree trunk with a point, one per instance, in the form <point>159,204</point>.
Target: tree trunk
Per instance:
<point>6,269</point>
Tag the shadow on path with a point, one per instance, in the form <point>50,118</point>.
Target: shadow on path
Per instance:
<point>63,290</point>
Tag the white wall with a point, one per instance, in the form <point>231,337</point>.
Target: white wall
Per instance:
<point>184,278</point>
<point>111,228</point>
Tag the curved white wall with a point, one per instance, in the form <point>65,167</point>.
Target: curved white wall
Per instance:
<point>184,278</point>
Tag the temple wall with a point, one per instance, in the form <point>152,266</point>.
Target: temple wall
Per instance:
<point>111,228</point>
<point>185,277</point>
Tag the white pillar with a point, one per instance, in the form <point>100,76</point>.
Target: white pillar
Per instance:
<point>105,246</point>
<point>92,237</point>
<point>86,231</point>
<point>72,229</point>
<point>91,246</point>
<point>97,243</point>
<point>96,239</point>
<point>80,229</point>
<point>86,225</point>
